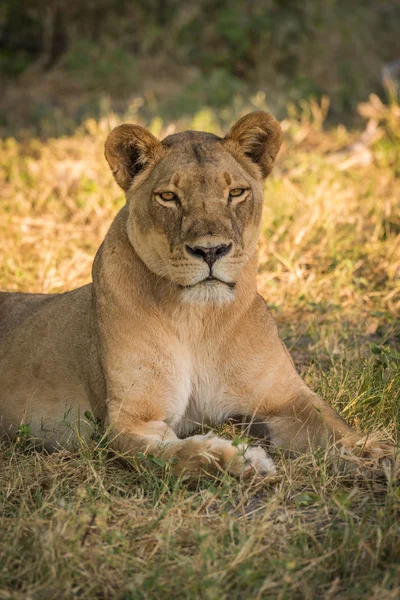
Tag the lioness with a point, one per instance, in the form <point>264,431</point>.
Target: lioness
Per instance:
<point>172,332</point>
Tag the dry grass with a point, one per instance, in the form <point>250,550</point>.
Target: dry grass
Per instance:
<point>79,525</point>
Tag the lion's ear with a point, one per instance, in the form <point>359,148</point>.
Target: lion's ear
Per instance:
<point>259,136</point>
<point>128,149</point>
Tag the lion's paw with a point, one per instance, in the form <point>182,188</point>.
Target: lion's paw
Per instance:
<point>239,459</point>
<point>369,452</point>
<point>258,460</point>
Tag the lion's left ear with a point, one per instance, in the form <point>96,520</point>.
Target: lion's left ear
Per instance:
<point>259,136</point>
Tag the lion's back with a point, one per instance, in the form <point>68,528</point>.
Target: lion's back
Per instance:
<point>52,334</point>
<point>34,315</point>
<point>16,307</point>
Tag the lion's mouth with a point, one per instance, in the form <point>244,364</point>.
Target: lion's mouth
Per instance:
<point>209,281</point>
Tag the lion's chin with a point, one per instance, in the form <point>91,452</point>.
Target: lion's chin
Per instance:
<point>209,292</point>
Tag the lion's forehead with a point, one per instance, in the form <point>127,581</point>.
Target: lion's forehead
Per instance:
<point>199,184</point>
<point>176,140</point>
<point>196,167</point>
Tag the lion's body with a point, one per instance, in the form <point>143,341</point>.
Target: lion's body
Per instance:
<point>47,362</point>
<point>172,333</point>
<point>50,370</point>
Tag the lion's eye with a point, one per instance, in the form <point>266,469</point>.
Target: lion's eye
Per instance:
<point>169,199</point>
<point>168,196</point>
<point>237,193</point>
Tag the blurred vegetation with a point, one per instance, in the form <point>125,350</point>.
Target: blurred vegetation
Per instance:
<point>64,61</point>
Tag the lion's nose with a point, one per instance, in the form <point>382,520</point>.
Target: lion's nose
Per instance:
<point>209,255</point>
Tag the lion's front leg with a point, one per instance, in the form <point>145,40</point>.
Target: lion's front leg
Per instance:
<point>280,406</point>
<point>191,457</point>
<point>305,422</point>
<point>143,401</point>
<point>301,422</point>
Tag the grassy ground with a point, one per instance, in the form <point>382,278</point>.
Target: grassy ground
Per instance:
<point>80,525</point>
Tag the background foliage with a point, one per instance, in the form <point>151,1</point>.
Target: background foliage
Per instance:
<point>181,56</point>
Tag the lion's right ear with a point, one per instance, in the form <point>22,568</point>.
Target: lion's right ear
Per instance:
<point>128,149</point>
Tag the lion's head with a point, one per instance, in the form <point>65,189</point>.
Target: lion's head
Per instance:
<point>195,200</point>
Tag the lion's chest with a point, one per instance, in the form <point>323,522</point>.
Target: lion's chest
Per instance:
<point>203,397</point>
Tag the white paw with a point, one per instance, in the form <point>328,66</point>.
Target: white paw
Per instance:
<point>259,460</point>
<point>239,459</point>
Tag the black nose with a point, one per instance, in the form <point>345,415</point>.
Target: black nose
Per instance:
<point>210,255</point>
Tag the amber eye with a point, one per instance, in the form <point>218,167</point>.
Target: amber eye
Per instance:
<point>168,199</point>
<point>168,196</point>
<point>237,193</point>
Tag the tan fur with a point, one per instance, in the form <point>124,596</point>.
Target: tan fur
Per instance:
<point>153,348</point>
